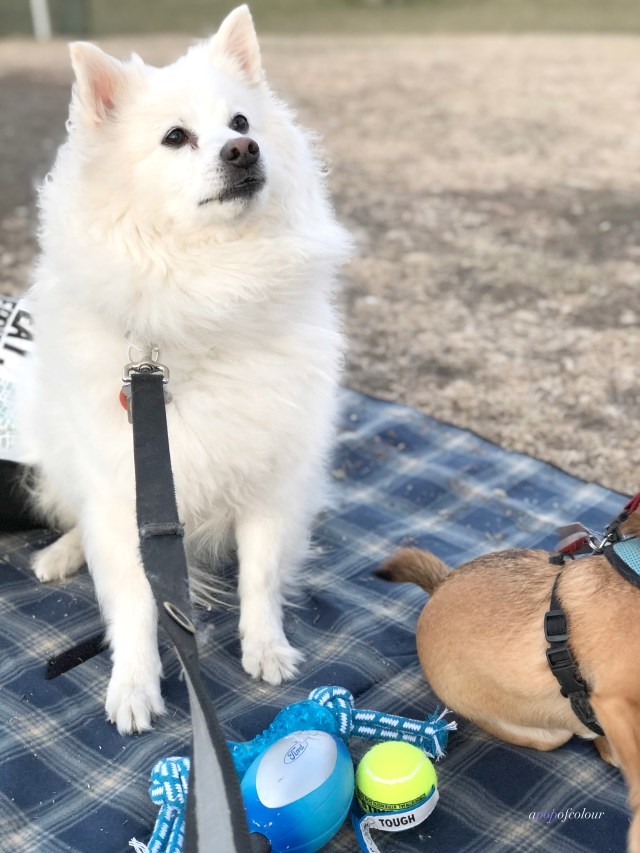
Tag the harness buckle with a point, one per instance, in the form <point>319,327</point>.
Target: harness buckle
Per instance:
<point>559,658</point>
<point>555,626</point>
<point>563,666</point>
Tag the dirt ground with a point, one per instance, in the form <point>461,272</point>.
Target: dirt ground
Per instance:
<point>493,187</point>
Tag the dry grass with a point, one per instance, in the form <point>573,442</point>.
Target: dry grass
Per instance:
<point>493,186</point>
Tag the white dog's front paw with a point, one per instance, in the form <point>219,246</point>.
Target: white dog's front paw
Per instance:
<point>59,560</point>
<point>271,659</point>
<point>131,704</point>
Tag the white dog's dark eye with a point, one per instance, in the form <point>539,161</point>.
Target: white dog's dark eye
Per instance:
<point>239,123</point>
<point>176,137</point>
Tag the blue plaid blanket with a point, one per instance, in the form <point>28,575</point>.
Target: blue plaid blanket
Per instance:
<point>69,782</point>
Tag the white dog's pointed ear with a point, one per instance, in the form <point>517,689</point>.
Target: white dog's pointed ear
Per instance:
<point>99,79</point>
<point>237,38</point>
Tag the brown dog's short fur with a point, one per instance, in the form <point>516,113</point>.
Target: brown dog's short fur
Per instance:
<point>482,648</point>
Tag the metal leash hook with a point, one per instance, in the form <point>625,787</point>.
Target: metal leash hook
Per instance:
<point>149,363</point>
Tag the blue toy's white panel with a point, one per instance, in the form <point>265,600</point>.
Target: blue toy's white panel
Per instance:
<point>294,766</point>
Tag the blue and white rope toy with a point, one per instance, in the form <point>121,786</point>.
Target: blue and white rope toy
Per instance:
<point>328,709</point>
<point>169,786</point>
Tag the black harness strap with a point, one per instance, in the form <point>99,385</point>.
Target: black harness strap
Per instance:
<point>214,797</point>
<point>563,664</point>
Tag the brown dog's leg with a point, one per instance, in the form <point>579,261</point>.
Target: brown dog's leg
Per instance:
<point>542,739</point>
<point>620,718</point>
<point>606,751</point>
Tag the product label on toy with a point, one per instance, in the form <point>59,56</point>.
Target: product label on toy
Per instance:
<point>309,757</point>
<point>392,821</point>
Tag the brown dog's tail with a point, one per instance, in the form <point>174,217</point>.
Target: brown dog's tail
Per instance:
<point>413,566</point>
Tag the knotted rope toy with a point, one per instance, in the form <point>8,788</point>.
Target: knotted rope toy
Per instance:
<point>332,709</point>
<point>328,709</point>
<point>169,786</point>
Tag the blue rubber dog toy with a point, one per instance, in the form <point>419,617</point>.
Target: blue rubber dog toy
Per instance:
<point>298,793</point>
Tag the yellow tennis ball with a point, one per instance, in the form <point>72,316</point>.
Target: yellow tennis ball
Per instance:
<point>394,775</point>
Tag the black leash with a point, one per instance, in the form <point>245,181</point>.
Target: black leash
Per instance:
<point>563,664</point>
<point>216,821</point>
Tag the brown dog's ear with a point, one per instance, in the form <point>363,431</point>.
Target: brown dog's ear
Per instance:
<point>237,38</point>
<point>99,80</point>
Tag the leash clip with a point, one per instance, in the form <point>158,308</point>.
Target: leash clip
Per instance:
<point>597,545</point>
<point>149,363</point>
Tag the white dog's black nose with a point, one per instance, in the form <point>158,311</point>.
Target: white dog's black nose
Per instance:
<point>242,152</point>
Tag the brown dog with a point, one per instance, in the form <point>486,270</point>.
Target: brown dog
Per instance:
<point>482,647</point>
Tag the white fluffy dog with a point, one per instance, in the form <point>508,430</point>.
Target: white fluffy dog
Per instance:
<point>186,211</point>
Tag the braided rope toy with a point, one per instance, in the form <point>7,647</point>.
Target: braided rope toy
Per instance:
<point>328,709</point>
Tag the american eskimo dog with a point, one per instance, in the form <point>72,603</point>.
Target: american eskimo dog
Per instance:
<point>186,211</point>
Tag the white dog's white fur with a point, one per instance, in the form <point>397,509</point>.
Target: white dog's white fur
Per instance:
<point>137,248</point>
